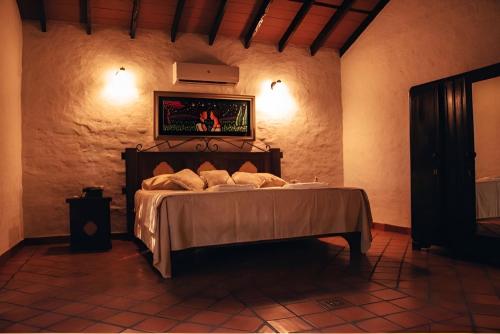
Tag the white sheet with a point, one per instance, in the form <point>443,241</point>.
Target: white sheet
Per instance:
<point>173,220</point>
<point>487,198</point>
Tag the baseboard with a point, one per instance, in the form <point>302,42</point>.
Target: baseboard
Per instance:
<point>392,228</point>
<point>11,252</point>
<point>64,239</point>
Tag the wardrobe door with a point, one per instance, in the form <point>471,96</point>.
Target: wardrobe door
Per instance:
<point>459,179</point>
<point>426,152</point>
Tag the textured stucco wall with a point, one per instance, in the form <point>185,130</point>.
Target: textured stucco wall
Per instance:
<point>410,42</point>
<point>73,136</point>
<point>11,220</point>
<point>486,106</point>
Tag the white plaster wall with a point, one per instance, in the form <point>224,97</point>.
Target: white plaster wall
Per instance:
<point>486,106</point>
<point>11,219</point>
<point>410,42</point>
<point>73,136</point>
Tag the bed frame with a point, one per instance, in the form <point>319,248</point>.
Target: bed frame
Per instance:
<point>139,165</point>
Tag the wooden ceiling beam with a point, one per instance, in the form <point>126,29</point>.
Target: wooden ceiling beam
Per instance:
<point>177,19</point>
<point>256,23</point>
<point>85,17</point>
<point>133,18</point>
<point>329,5</point>
<point>218,20</point>
<point>328,28</point>
<point>42,16</point>
<point>297,20</point>
<point>366,22</point>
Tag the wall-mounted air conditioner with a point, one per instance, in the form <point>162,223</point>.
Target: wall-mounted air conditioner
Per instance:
<point>192,73</point>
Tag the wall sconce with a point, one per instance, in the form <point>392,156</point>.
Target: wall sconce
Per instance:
<point>274,83</point>
<point>120,87</point>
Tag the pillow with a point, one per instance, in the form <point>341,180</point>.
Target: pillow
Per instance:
<point>216,177</point>
<point>161,182</point>
<point>260,180</point>
<point>185,179</point>
<point>248,178</point>
<point>271,180</point>
<point>188,179</point>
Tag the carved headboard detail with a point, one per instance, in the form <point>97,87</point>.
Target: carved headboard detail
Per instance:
<point>140,166</point>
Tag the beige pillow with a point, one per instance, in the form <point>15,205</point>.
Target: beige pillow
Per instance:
<point>248,178</point>
<point>188,179</point>
<point>271,180</point>
<point>161,182</point>
<point>260,180</point>
<point>216,177</point>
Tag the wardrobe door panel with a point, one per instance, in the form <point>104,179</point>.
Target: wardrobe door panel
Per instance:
<point>426,152</point>
<point>458,181</point>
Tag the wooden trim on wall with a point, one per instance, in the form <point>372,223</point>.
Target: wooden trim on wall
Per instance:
<point>392,228</point>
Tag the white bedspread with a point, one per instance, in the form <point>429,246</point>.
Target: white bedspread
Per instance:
<point>487,198</point>
<point>173,220</point>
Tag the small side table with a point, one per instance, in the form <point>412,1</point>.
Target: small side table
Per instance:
<point>89,223</point>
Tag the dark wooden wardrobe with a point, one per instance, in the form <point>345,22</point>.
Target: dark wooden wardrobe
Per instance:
<point>443,201</point>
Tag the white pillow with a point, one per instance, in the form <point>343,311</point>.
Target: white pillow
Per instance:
<point>189,180</point>
<point>216,177</point>
<point>185,179</point>
<point>161,182</point>
<point>260,180</point>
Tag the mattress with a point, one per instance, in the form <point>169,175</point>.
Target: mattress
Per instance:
<point>174,220</point>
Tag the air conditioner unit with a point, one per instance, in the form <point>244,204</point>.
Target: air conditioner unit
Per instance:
<point>191,73</point>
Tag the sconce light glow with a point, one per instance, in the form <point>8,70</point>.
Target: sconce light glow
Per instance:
<point>276,103</point>
<point>120,86</point>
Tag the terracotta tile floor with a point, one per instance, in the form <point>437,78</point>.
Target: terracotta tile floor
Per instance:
<point>306,286</point>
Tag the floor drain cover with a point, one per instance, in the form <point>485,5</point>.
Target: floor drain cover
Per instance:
<point>334,303</point>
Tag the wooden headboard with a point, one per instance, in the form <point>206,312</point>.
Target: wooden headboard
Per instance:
<point>140,165</point>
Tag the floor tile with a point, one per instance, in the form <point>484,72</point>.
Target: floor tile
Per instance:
<point>324,319</point>
<point>71,325</point>
<point>244,323</point>
<point>307,307</point>
<point>378,325</point>
<point>45,320</point>
<point>273,312</point>
<point>407,319</point>
<point>155,324</point>
<point>487,321</point>
<point>187,327</point>
<point>383,308</point>
<point>125,319</point>
<point>178,312</point>
<point>103,328</point>
<point>294,324</point>
<point>353,313</point>
<point>209,318</point>
<point>388,294</point>
<point>345,328</point>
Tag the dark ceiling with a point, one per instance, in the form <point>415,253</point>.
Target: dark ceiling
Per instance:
<point>314,24</point>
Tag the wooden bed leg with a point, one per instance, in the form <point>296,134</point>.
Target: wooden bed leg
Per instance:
<point>354,241</point>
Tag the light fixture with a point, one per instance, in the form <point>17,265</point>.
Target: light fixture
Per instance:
<point>120,87</point>
<point>274,83</point>
<point>121,69</point>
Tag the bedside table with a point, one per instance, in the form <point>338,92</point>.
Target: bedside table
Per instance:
<point>90,223</point>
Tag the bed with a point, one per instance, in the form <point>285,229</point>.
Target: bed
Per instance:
<point>488,206</point>
<point>169,221</point>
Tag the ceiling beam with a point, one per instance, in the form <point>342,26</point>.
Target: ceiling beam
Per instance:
<point>85,17</point>
<point>332,23</point>
<point>297,20</point>
<point>218,20</point>
<point>41,15</point>
<point>133,18</point>
<point>329,5</point>
<point>366,22</point>
<point>256,22</point>
<point>177,19</point>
